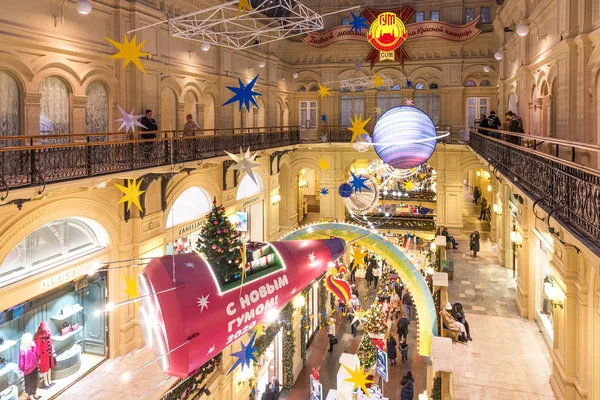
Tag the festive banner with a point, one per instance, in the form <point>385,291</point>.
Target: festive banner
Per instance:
<point>443,30</point>
<point>189,325</point>
<point>342,33</point>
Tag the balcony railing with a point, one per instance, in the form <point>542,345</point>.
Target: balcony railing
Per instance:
<point>39,160</point>
<point>567,191</point>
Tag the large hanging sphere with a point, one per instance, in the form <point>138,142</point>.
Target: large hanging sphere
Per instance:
<point>362,144</point>
<point>404,137</point>
<point>345,190</point>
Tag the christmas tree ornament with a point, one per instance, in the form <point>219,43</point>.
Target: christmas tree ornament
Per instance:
<point>359,256</point>
<point>324,191</point>
<point>345,190</point>
<point>244,7</point>
<point>339,287</point>
<point>131,193</point>
<point>377,81</point>
<point>129,51</point>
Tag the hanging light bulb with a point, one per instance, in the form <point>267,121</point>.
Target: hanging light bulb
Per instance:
<point>295,75</point>
<point>84,7</point>
<point>205,47</point>
<point>498,55</point>
<point>262,63</point>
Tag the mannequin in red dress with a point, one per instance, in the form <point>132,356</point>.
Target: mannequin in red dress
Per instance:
<point>43,342</point>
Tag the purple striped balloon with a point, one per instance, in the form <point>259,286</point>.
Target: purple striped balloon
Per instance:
<point>404,137</point>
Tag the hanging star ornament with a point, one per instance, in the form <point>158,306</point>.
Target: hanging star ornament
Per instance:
<point>245,356</point>
<point>358,23</point>
<point>129,51</point>
<point>243,94</point>
<point>324,191</point>
<point>324,139</point>
<point>408,185</point>
<point>408,83</point>
<point>131,287</point>
<point>244,6</point>
<point>323,164</point>
<point>131,192</point>
<point>358,183</point>
<point>359,316</point>
<point>324,118</point>
<point>359,256</point>
<point>358,127</point>
<point>377,81</point>
<point>244,162</point>
<point>409,102</point>
<point>359,378</point>
<point>129,121</point>
<point>378,110</point>
<point>323,91</point>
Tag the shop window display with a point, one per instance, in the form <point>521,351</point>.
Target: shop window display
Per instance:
<point>48,342</point>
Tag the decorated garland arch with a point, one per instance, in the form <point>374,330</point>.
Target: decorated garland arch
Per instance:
<point>384,248</point>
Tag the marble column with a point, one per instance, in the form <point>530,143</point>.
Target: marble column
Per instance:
<point>32,114</point>
<point>180,116</point>
<point>200,116</point>
<point>78,118</point>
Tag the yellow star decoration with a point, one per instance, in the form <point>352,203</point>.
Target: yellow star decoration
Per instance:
<point>129,51</point>
<point>378,110</point>
<point>359,256</point>
<point>323,164</point>
<point>132,193</point>
<point>377,81</point>
<point>358,127</point>
<point>408,185</point>
<point>323,91</point>
<point>359,378</point>
<point>377,180</point>
<point>259,329</point>
<point>131,289</point>
<point>244,5</point>
<point>421,176</point>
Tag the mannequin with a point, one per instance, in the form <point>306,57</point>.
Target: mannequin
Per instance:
<point>28,365</point>
<point>43,343</point>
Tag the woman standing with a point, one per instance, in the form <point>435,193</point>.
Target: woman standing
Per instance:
<point>369,275</point>
<point>391,349</point>
<point>189,126</point>
<point>29,360</point>
<point>331,333</point>
<point>474,242</point>
<point>407,391</point>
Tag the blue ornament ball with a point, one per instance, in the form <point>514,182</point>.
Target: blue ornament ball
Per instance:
<point>345,190</point>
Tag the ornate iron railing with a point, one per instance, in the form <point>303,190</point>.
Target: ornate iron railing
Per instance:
<point>35,165</point>
<point>569,192</point>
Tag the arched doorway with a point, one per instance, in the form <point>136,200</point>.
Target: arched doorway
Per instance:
<point>309,196</point>
<point>185,220</point>
<point>191,107</point>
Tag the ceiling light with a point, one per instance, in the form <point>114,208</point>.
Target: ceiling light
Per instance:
<point>205,47</point>
<point>295,75</point>
<point>262,63</point>
<point>84,7</point>
<point>486,68</point>
<point>498,55</point>
<point>522,29</point>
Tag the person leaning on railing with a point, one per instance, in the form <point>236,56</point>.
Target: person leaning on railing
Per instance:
<point>149,126</point>
<point>515,124</point>
<point>189,126</point>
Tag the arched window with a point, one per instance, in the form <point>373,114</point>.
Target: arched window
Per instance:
<point>470,83</point>
<point>192,204</point>
<point>314,88</point>
<point>433,85</point>
<point>55,105</point>
<point>248,188</point>
<point>420,86</point>
<point>96,109</point>
<point>302,89</point>
<point>10,109</point>
<point>50,245</point>
<point>396,87</point>
<point>485,82</point>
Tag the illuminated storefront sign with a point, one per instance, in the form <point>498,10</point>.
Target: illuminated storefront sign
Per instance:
<point>386,34</point>
<point>58,279</point>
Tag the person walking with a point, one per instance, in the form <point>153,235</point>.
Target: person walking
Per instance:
<point>268,393</point>
<point>476,195</point>
<point>404,350</point>
<point>391,349</point>
<point>494,123</point>
<point>369,275</point>
<point>352,268</point>
<point>483,123</point>
<point>402,327</point>
<point>376,273</point>
<point>331,334</point>
<point>407,391</point>
<point>408,303</point>
<point>474,242</point>
<point>484,207</point>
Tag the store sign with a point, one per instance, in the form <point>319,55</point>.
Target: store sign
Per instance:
<point>58,279</point>
<point>190,228</point>
<point>382,364</point>
<point>250,201</point>
<point>386,34</point>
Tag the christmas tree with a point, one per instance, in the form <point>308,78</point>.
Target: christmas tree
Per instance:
<point>220,244</point>
<point>384,288</point>
<point>375,319</point>
<point>366,352</point>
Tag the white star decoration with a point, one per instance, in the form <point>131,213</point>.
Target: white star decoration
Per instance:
<point>312,258</point>
<point>211,350</point>
<point>190,265</point>
<point>245,162</point>
<point>203,302</point>
<point>129,121</point>
<point>409,102</point>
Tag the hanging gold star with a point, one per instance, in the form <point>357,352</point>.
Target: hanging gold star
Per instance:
<point>358,127</point>
<point>359,256</point>
<point>131,289</point>
<point>323,91</point>
<point>132,193</point>
<point>359,378</point>
<point>421,176</point>
<point>129,51</point>
<point>244,5</point>
<point>408,185</point>
<point>323,164</point>
<point>377,81</point>
<point>378,110</point>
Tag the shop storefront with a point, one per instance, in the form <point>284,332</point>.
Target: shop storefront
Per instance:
<point>48,295</point>
<point>516,238</point>
<point>544,284</point>
<point>185,220</point>
<point>270,365</point>
<point>249,217</point>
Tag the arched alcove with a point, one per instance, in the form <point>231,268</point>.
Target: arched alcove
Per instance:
<point>55,106</point>
<point>96,109</point>
<point>168,110</point>
<point>192,204</point>
<point>10,108</point>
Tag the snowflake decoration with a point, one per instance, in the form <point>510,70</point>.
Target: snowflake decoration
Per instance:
<point>312,258</point>
<point>211,350</point>
<point>190,265</point>
<point>324,191</point>
<point>203,302</point>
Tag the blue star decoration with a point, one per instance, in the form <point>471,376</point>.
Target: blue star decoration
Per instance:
<point>324,191</point>
<point>358,183</point>
<point>408,83</point>
<point>245,355</point>
<point>244,94</point>
<point>324,118</point>
<point>358,23</point>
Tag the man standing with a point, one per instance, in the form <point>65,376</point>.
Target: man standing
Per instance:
<point>494,121</point>
<point>149,125</point>
<point>407,302</point>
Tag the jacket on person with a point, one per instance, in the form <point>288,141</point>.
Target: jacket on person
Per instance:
<point>369,273</point>
<point>391,348</point>
<point>484,123</point>
<point>268,396</point>
<point>149,125</point>
<point>484,204</point>
<point>402,326</point>
<point>45,349</point>
<point>474,241</point>
<point>28,359</point>
<point>476,193</point>
<point>515,125</point>
<point>406,299</point>
<point>407,392</point>
<point>448,320</point>
<point>494,122</point>
<point>458,312</point>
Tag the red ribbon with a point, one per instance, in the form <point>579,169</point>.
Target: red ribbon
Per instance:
<point>405,13</point>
